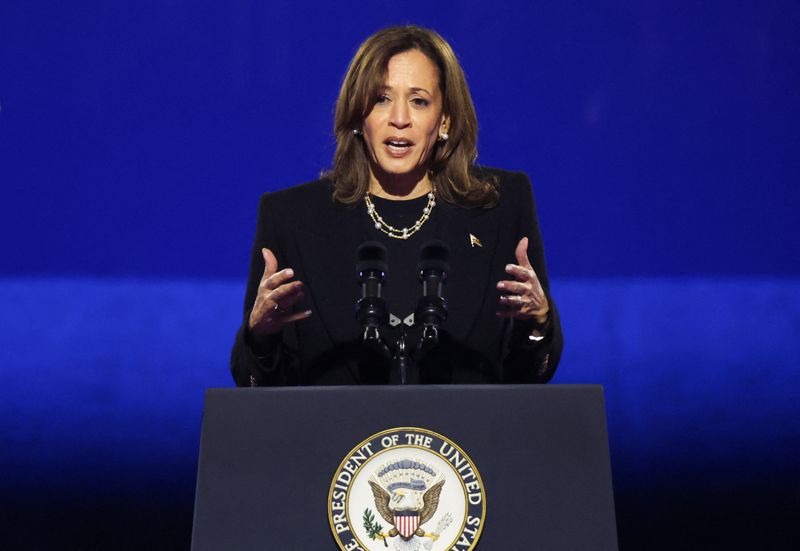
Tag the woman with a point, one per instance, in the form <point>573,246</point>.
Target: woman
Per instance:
<point>403,174</point>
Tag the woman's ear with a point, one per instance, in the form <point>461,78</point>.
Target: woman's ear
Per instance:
<point>445,126</point>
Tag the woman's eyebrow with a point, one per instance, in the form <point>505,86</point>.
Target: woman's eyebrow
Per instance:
<point>387,88</point>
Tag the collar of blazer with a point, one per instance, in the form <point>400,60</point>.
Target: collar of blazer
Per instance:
<point>327,247</point>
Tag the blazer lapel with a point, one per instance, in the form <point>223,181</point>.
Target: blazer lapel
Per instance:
<point>327,248</point>
<point>468,284</point>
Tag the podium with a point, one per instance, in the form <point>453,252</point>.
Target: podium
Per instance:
<point>276,463</point>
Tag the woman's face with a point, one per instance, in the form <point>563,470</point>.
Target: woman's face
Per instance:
<point>403,126</point>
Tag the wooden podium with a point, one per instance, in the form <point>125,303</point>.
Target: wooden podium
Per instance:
<point>269,456</point>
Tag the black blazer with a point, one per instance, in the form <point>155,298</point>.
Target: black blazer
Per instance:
<point>317,238</point>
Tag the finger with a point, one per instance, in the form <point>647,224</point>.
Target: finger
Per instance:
<point>522,253</point>
<point>270,263</point>
<point>297,316</point>
<point>286,292</point>
<point>514,301</point>
<point>514,287</point>
<point>521,273</point>
<point>279,278</point>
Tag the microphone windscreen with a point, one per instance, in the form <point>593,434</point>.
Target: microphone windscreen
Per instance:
<point>433,255</point>
<point>371,255</point>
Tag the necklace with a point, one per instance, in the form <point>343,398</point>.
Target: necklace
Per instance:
<point>401,233</point>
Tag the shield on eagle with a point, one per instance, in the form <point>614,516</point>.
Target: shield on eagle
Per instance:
<point>406,522</point>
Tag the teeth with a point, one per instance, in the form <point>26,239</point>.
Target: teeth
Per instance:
<point>399,144</point>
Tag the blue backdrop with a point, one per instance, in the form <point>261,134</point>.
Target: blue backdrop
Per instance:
<point>135,138</point>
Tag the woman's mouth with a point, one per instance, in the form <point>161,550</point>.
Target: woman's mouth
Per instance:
<point>398,147</point>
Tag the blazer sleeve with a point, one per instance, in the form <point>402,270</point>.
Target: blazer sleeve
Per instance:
<point>270,362</point>
<point>527,360</point>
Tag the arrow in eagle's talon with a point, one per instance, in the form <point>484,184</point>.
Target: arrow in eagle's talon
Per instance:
<point>443,523</point>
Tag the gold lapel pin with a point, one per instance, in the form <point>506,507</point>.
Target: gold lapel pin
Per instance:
<point>474,241</point>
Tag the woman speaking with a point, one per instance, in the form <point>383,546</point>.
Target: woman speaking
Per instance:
<point>403,176</point>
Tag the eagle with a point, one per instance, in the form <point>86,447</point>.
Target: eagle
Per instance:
<point>389,504</point>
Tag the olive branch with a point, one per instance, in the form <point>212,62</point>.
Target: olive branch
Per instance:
<point>373,528</point>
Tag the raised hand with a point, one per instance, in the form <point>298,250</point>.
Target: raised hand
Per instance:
<point>277,294</point>
<point>523,296</point>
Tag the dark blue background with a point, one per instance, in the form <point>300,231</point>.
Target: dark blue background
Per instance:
<point>135,138</point>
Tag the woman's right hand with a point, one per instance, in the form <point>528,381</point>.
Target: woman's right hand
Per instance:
<point>277,294</point>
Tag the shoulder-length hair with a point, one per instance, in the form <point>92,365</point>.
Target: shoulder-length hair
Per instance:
<point>450,160</point>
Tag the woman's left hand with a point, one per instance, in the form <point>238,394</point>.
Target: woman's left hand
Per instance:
<point>523,297</point>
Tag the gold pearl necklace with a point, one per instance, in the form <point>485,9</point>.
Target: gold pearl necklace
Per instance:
<point>401,233</point>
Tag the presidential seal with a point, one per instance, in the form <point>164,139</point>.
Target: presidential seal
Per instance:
<point>407,489</point>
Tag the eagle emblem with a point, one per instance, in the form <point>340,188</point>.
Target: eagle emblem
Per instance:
<point>421,483</point>
<point>406,495</point>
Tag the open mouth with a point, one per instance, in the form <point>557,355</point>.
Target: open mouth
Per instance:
<point>398,146</point>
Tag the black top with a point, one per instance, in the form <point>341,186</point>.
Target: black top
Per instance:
<point>318,239</point>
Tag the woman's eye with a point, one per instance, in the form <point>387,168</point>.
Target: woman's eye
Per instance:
<point>382,99</point>
<point>420,102</point>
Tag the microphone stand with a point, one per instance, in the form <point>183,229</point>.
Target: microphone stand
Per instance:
<point>401,360</point>
<point>372,314</point>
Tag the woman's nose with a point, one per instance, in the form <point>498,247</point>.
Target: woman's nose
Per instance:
<point>399,116</point>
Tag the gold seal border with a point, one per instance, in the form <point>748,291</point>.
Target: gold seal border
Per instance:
<point>415,429</point>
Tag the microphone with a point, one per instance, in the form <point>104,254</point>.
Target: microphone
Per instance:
<point>374,356</point>
<point>371,267</point>
<point>432,307</point>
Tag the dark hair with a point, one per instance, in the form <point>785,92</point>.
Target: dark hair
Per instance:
<point>450,161</point>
